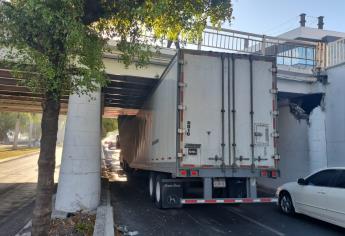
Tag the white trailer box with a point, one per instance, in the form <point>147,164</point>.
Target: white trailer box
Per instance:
<point>212,115</point>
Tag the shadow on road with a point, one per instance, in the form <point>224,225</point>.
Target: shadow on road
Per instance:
<point>17,202</point>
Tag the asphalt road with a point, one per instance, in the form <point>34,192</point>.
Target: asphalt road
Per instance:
<point>132,208</point>
<point>18,178</point>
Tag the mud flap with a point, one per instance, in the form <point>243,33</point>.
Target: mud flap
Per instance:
<point>237,187</point>
<point>171,193</point>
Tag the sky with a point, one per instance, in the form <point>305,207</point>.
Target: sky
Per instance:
<point>273,17</point>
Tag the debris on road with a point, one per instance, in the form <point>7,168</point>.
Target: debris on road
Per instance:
<point>123,230</point>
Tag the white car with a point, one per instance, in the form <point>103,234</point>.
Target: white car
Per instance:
<point>320,195</point>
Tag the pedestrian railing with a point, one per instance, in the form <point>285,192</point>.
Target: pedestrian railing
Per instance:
<point>335,53</point>
<point>297,53</point>
<point>288,52</point>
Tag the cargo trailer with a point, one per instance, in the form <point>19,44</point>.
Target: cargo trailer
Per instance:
<point>207,131</point>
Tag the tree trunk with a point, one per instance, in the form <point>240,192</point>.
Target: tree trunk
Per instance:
<point>46,166</point>
<point>16,133</point>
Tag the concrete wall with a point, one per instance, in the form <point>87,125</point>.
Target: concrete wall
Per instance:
<point>293,148</point>
<point>335,116</point>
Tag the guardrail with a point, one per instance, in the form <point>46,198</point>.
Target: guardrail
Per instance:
<point>335,53</point>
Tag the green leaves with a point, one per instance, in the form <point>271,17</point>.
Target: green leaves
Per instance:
<point>129,22</point>
<point>56,46</point>
<point>48,41</point>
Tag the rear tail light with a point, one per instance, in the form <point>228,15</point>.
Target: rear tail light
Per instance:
<point>264,173</point>
<point>194,173</point>
<point>183,172</point>
<point>274,174</point>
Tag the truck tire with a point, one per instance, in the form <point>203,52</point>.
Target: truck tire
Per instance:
<point>152,186</point>
<point>158,191</point>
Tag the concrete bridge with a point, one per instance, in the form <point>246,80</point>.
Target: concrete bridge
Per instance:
<point>300,64</point>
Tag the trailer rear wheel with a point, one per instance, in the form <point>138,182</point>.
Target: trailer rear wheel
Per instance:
<point>158,191</point>
<point>152,185</point>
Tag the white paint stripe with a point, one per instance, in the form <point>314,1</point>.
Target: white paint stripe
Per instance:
<point>256,222</point>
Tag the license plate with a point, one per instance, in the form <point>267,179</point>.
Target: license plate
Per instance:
<point>192,151</point>
<point>219,183</point>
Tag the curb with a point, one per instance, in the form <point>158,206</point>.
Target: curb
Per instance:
<point>104,225</point>
<point>17,157</point>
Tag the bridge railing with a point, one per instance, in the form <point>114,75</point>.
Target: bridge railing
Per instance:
<point>288,52</point>
<point>335,53</point>
<point>297,53</point>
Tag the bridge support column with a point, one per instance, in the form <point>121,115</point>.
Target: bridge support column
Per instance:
<point>79,180</point>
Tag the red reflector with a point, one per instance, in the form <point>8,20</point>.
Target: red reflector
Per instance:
<point>211,201</point>
<point>229,200</point>
<point>190,201</point>
<point>264,173</point>
<point>247,200</point>
<point>265,199</point>
<point>191,166</point>
<point>183,172</point>
<point>194,173</point>
<point>274,174</point>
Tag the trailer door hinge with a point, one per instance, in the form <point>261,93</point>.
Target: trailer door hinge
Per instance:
<point>180,155</point>
<point>274,69</point>
<point>181,61</point>
<point>275,134</point>
<point>180,131</point>
<point>274,91</point>
<point>182,84</point>
<point>276,157</point>
<point>275,113</point>
<point>182,107</point>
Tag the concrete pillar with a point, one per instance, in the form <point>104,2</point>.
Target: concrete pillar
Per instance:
<point>79,180</point>
<point>317,140</point>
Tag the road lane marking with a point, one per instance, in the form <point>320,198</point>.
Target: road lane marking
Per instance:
<point>256,222</point>
<point>205,222</point>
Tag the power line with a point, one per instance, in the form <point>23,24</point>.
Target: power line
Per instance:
<point>292,19</point>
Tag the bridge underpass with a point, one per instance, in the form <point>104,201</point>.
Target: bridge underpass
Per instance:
<point>124,95</point>
<point>126,92</point>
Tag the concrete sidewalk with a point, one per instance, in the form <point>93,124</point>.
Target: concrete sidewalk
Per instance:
<point>20,156</point>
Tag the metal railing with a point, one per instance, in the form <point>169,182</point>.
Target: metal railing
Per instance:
<point>288,52</point>
<point>335,53</point>
<point>297,53</point>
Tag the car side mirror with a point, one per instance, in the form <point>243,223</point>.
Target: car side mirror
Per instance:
<point>302,181</point>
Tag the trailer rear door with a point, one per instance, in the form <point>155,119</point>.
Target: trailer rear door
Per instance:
<point>202,119</point>
<point>228,110</point>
